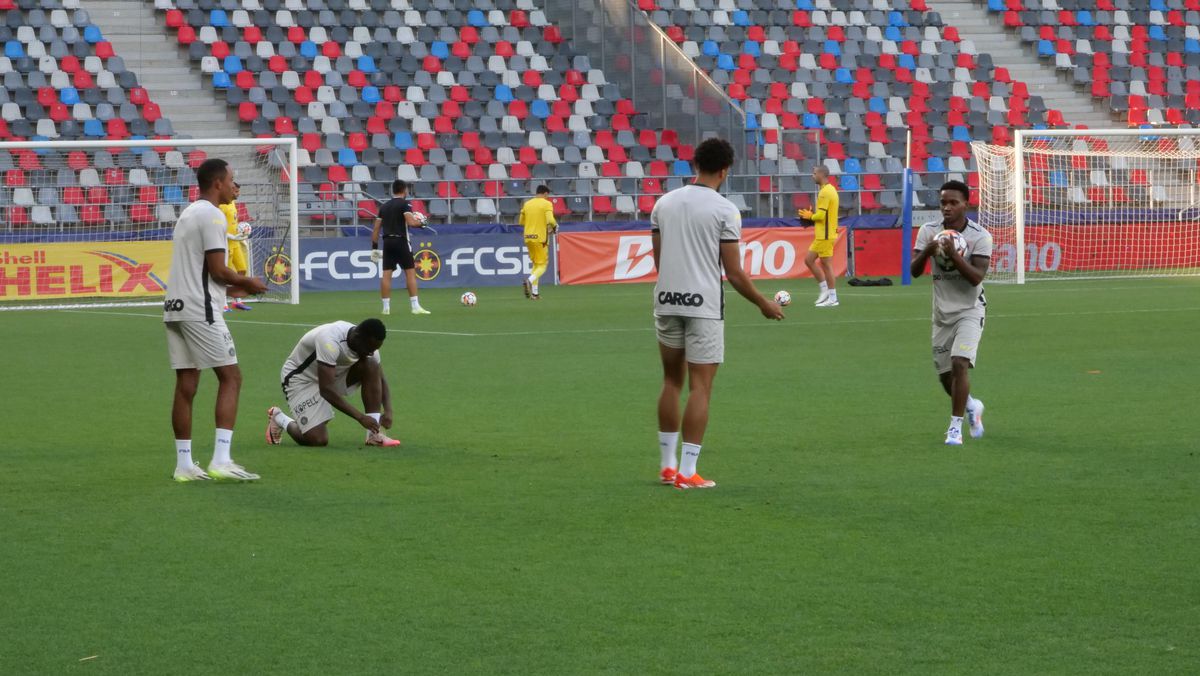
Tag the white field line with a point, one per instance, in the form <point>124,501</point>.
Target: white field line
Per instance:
<point>645,329</point>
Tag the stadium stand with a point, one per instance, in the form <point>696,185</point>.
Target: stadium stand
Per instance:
<point>63,81</point>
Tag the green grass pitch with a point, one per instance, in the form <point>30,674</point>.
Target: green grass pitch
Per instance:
<point>520,529</point>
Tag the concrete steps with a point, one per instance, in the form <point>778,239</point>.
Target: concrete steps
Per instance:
<point>140,38</point>
<point>990,37</point>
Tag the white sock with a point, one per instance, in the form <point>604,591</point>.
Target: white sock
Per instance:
<point>972,403</point>
<point>833,294</point>
<point>687,464</point>
<point>221,447</point>
<point>533,288</point>
<point>956,423</point>
<point>375,417</point>
<point>412,300</point>
<point>183,453</point>
<point>387,304</point>
<point>667,441</point>
<point>282,420</point>
<point>824,287</point>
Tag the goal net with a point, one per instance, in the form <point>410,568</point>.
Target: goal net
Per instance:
<point>89,223</point>
<point>1087,204</point>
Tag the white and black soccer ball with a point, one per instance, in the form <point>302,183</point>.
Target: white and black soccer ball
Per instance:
<point>469,299</point>
<point>945,240</point>
<point>244,229</point>
<point>421,218</point>
<point>783,298</point>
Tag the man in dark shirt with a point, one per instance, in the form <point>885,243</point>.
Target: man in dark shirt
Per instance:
<point>395,218</point>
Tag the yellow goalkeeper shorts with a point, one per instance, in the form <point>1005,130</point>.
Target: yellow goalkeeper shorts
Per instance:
<point>823,247</point>
<point>237,257</point>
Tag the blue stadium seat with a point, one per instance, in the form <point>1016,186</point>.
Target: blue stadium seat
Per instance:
<point>961,134</point>
<point>539,109</point>
<point>503,94</point>
<point>751,125</point>
<point>221,80</point>
<point>232,65</point>
<point>832,47</point>
<point>741,18</point>
<point>725,62</point>
<point>806,5</point>
<point>1191,46</point>
<point>877,104</point>
<point>477,19</point>
<point>1058,179</point>
<point>14,50</point>
<point>848,182</point>
<point>996,6</point>
<point>935,164</point>
<point>681,168</point>
<point>812,121</point>
<point>897,19</point>
<point>92,34</point>
<point>1084,18</point>
<point>893,33</point>
<point>439,49</point>
<point>69,96</point>
<point>851,166</point>
<point>347,158</point>
<point>752,48</point>
<point>403,140</point>
<point>844,76</point>
<point>308,49</point>
<point>93,127</point>
<point>1046,48</point>
<point>370,94</point>
<point>1157,33</point>
<point>710,48</point>
<point>906,61</point>
<point>367,64</point>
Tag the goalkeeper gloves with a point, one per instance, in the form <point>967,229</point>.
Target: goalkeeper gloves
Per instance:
<point>376,255</point>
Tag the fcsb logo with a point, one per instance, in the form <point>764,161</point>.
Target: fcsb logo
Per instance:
<point>426,262</point>
<point>278,267</point>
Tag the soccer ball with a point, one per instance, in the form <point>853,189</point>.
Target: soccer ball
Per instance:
<point>244,229</point>
<point>783,298</point>
<point>469,299</point>
<point>947,238</point>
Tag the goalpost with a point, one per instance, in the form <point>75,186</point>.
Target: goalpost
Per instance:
<point>89,223</point>
<point>1092,204</point>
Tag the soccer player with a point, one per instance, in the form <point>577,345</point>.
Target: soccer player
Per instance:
<point>197,337</point>
<point>396,216</point>
<point>825,222</point>
<point>695,232</point>
<point>328,364</point>
<point>238,254</point>
<point>537,217</point>
<point>958,303</point>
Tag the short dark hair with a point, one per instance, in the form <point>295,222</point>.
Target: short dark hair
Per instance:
<point>399,186</point>
<point>542,190</point>
<point>373,329</point>
<point>713,155</point>
<point>210,170</point>
<point>960,187</point>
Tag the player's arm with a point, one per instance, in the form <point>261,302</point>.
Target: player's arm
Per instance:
<point>386,419</point>
<point>656,242</point>
<point>924,248</point>
<point>327,385</point>
<point>821,215</point>
<point>551,222</point>
<point>731,258</point>
<point>375,233</point>
<point>411,220</point>
<point>973,270</point>
<point>218,270</point>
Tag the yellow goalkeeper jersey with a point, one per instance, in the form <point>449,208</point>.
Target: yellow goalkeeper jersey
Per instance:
<point>536,215</point>
<point>231,221</point>
<point>825,216</point>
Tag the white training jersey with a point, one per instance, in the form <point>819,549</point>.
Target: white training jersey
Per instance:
<point>192,295</point>
<point>325,344</point>
<point>953,295</point>
<point>692,222</point>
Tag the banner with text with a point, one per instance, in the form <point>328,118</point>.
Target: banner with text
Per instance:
<point>607,257</point>
<point>59,271</point>
<point>344,263</point>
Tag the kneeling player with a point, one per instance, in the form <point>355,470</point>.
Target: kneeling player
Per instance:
<point>329,364</point>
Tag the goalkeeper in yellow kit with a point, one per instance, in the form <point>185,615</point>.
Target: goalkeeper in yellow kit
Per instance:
<point>239,255</point>
<point>825,222</point>
<point>537,217</point>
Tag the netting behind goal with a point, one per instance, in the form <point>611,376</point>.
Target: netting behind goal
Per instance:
<point>90,223</point>
<point>1092,204</point>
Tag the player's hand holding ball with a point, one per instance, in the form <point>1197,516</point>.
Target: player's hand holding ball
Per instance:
<point>376,255</point>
